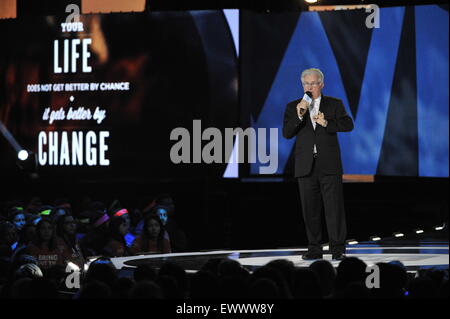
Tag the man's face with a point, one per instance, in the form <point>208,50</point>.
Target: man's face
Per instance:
<point>311,83</point>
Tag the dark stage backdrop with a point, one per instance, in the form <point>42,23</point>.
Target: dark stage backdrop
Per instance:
<point>393,81</point>
<point>100,103</point>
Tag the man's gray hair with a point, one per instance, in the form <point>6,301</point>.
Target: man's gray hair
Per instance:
<point>313,71</point>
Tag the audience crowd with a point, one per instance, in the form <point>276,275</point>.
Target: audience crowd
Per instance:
<point>42,245</point>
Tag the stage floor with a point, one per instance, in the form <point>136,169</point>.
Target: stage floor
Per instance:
<point>414,255</point>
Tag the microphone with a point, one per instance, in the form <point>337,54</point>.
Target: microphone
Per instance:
<point>307,97</point>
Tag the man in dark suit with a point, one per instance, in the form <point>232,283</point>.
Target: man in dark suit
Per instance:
<point>318,164</point>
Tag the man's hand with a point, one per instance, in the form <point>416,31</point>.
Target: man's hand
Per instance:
<point>320,119</point>
<point>302,107</point>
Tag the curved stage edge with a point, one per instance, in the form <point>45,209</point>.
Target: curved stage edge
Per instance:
<point>414,255</point>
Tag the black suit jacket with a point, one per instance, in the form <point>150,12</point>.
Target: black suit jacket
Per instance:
<point>325,138</point>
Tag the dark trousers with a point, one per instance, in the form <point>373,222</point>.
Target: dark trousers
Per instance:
<point>319,191</point>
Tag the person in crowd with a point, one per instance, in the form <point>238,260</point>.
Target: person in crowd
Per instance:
<point>8,239</point>
<point>94,241</point>
<point>84,224</point>
<point>326,275</point>
<point>26,235</point>
<point>273,274</point>
<point>98,281</point>
<point>351,269</point>
<point>144,207</point>
<point>164,206</point>
<point>355,290</point>
<point>306,285</point>
<point>233,278</point>
<point>152,239</point>
<point>17,217</point>
<point>33,205</point>
<point>181,280</point>
<point>116,245</point>
<point>66,232</point>
<point>44,247</point>
<point>393,279</point>
<point>62,206</point>
<point>57,212</point>
<point>123,212</point>
<point>286,268</point>
<point>264,288</point>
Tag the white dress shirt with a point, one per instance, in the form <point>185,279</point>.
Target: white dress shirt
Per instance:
<point>314,110</point>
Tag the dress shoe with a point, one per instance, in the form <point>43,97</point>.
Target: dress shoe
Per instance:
<point>338,256</point>
<point>312,256</point>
